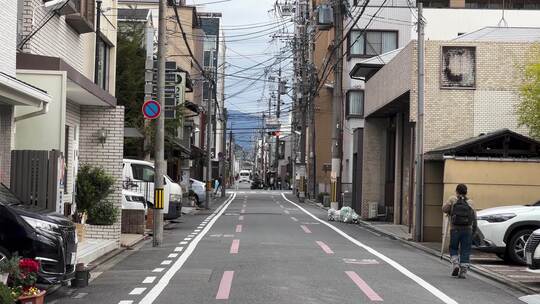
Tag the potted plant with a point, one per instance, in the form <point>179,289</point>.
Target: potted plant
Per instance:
<point>7,267</point>
<point>24,283</point>
<point>6,296</point>
<point>93,186</point>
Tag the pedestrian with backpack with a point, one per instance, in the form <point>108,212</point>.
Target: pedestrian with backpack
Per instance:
<point>462,218</point>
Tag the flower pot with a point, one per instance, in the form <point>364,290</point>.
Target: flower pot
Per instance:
<point>38,299</point>
<point>4,278</point>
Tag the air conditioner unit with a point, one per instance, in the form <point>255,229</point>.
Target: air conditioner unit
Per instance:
<point>373,210</point>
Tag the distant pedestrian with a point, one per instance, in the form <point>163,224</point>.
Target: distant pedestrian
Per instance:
<point>219,184</point>
<point>462,220</point>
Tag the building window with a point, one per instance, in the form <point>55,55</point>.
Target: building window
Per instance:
<point>355,103</point>
<point>102,75</point>
<point>371,43</point>
<point>206,91</point>
<point>458,67</point>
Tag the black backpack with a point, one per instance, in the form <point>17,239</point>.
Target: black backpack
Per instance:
<point>462,213</point>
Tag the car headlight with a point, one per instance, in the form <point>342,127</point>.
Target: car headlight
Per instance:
<point>497,218</point>
<point>40,225</point>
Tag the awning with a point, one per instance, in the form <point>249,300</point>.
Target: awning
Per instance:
<point>19,93</point>
<point>365,69</point>
<point>501,143</point>
<point>178,144</point>
<point>80,89</point>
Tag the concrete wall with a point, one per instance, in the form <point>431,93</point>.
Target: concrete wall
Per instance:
<point>494,183</point>
<point>109,156</point>
<point>44,132</point>
<point>374,159</point>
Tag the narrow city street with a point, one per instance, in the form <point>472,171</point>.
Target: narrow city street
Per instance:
<point>263,247</point>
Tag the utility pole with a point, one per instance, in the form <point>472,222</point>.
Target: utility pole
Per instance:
<point>336,105</point>
<point>208,148</point>
<point>303,104</point>
<point>222,158</point>
<point>419,168</point>
<point>232,177</point>
<point>160,127</point>
<point>278,113</point>
<point>311,100</point>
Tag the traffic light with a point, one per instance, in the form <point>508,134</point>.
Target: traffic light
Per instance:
<point>274,133</point>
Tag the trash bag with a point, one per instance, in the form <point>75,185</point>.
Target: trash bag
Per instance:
<point>333,215</point>
<point>348,215</point>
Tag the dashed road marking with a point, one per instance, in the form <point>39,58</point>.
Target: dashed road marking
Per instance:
<point>166,262</point>
<point>178,249</point>
<point>368,291</point>
<point>158,269</point>
<point>324,247</point>
<point>225,286</point>
<point>183,243</point>
<point>286,212</point>
<point>125,302</point>
<point>188,239</point>
<point>137,291</point>
<point>235,246</point>
<point>163,282</point>
<point>361,262</point>
<point>149,280</point>
<point>432,289</point>
<point>306,229</point>
<point>294,219</point>
<point>173,255</point>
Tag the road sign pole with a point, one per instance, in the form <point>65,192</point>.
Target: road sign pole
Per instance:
<point>160,126</point>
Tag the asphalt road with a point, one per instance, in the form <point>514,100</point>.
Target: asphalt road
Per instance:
<point>263,247</point>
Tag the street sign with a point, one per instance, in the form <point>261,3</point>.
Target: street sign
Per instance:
<point>151,109</point>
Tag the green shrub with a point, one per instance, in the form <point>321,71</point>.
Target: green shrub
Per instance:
<point>5,295</point>
<point>103,213</point>
<point>93,186</point>
<point>320,196</point>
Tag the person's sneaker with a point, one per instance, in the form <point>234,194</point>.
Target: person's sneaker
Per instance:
<point>455,265</point>
<point>463,272</point>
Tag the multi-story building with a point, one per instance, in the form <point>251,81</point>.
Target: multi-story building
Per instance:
<point>471,89</point>
<point>63,52</point>
<point>14,93</point>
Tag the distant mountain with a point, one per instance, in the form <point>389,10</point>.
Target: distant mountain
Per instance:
<point>245,127</point>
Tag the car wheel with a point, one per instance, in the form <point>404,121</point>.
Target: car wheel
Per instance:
<point>4,254</point>
<point>516,246</point>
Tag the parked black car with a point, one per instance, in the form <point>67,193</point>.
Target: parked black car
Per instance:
<point>43,235</point>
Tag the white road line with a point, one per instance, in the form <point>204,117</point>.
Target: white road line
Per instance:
<point>286,211</point>
<point>125,302</point>
<point>158,270</point>
<point>432,289</point>
<point>294,219</point>
<point>183,243</point>
<point>149,280</point>
<point>152,295</point>
<point>137,291</point>
<point>197,230</point>
<point>166,262</point>
<point>178,249</point>
<point>188,239</point>
<point>173,255</point>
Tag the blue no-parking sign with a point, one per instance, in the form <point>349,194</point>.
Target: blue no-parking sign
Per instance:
<point>151,109</point>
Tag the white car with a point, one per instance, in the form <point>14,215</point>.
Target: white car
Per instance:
<point>199,190</point>
<point>245,176</point>
<point>132,200</point>
<point>506,230</point>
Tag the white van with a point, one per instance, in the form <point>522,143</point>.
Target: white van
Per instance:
<point>245,176</point>
<point>138,176</point>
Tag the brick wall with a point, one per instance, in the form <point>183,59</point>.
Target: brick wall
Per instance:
<point>109,155</point>
<point>6,129</point>
<point>109,232</point>
<point>8,35</point>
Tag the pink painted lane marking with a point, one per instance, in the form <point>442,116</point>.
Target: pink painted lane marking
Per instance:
<point>370,293</point>
<point>241,218</point>
<point>234,246</point>
<point>225,286</point>
<point>306,229</point>
<point>238,228</point>
<point>325,247</point>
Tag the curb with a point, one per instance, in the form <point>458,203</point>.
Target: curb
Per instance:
<point>474,268</point>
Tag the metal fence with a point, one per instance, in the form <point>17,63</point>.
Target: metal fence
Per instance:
<point>36,177</point>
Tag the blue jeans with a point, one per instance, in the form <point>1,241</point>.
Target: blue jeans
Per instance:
<point>460,241</point>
